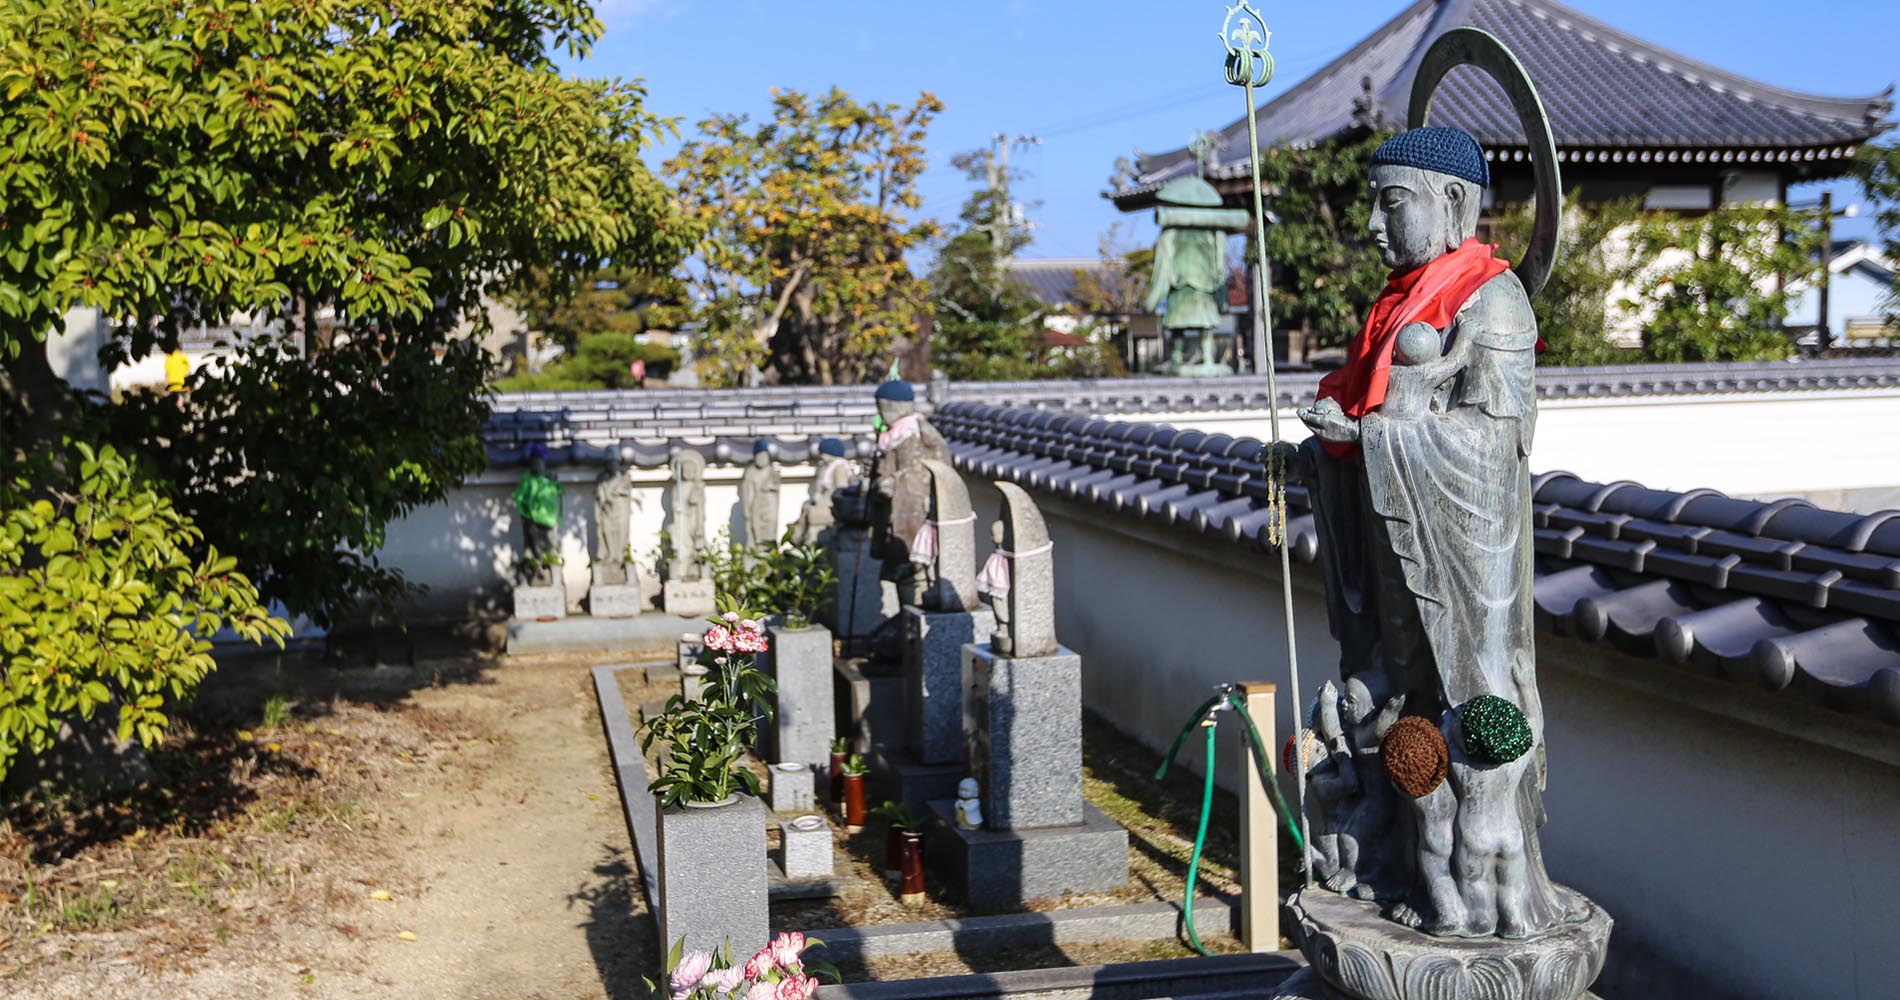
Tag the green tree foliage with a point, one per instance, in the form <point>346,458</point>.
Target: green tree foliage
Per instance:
<point>1878,170</point>
<point>372,167</point>
<point>807,218</point>
<point>1326,271</point>
<point>1588,289</point>
<point>603,361</point>
<point>988,324</point>
<point>613,300</point>
<point>107,599</point>
<point>1718,283</point>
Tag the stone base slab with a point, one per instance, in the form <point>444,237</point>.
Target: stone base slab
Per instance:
<point>898,776</point>
<point>1005,868</point>
<point>870,708</point>
<point>934,679</point>
<point>687,598</point>
<point>1357,954</point>
<point>613,601</point>
<point>536,603</point>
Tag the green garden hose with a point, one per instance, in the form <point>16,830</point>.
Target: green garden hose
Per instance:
<point>1208,717</point>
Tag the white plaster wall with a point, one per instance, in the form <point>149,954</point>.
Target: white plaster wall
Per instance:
<point>1819,444</point>
<point>1738,859</point>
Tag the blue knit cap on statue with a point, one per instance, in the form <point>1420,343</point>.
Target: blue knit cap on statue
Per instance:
<point>898,390</point>
<point>1436,148</point>
<point>831,446</point>
<point>760,445</point>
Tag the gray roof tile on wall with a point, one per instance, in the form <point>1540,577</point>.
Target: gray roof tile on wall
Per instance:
<point>1780,594</point>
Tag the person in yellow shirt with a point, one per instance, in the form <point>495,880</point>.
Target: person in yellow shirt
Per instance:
<point>177,366</point>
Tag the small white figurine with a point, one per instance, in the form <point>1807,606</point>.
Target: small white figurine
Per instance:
<point>969,809</point>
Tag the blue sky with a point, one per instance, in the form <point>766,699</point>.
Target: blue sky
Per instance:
<point>1096,80</point>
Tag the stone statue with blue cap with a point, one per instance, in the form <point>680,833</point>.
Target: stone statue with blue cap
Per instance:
<point>900,485</point>
<point>835,472</point>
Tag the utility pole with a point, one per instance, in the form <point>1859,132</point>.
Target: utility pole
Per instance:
<point>1824,330</point>
<point>1003,210</point>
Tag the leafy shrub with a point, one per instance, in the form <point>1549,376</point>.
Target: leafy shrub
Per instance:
<point>102,603</point>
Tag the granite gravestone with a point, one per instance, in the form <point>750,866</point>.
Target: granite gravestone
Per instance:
<point>935,635</point>
<point>1023,727</point>
<point>686,591</point>
<point>1418,471</point>
<point>615,589</point>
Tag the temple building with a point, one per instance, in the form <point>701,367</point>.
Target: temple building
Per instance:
<point>1629,117</point>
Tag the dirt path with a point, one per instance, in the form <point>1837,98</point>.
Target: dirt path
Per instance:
<point>485,859</point>
<point>522,879</point>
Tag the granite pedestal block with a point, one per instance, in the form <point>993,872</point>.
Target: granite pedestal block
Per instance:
<point>897,776</point>
<point>1007,868</point>
<point>1025,725</point>
<point>934,679</point>
<point>793,788</point>
<point>805,847</point>
<point>613,601</point>
<point>870,707</point>
<point>805,721</point>
<point>535,603</point>
<point>691,646</point>
<point>712,885</point>
<point>687,598</point>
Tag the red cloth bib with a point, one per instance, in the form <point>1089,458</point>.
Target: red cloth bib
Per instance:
<point>1432,294</point>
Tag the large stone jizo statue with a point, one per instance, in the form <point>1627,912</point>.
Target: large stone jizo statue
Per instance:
<point>1426,768</point>
<point>538,503</point>
<point>686,533</point>
<point>758,499</point>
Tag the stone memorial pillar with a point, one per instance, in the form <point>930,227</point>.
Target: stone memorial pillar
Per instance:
<point>930,762</point>
<point>804,723</point>
<point>1023,727</point>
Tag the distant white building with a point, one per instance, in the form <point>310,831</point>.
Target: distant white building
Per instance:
<point>1860,278</point>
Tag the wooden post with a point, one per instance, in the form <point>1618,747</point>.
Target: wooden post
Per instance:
<point>1259,833</point>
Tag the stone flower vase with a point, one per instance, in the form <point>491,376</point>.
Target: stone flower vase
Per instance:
<point>853,802</point>
<point>712,874</point>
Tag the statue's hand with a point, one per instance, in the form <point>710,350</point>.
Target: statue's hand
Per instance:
<point>1293,464</point>
<point>1329,422</point>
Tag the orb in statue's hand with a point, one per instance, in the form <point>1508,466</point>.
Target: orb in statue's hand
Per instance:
<point>1417,344</point>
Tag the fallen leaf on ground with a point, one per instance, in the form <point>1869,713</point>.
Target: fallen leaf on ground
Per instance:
<point>406,935</point>
<point>381,895</point>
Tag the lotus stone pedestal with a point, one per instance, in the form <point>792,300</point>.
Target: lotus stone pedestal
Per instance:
<point>1356,954</point>
<point>712,885</point>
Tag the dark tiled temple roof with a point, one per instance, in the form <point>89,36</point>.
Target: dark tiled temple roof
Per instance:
<point>1052,279</point>
<point>1781,594</point>
<point>723,423</point>
<point>1610,95</point>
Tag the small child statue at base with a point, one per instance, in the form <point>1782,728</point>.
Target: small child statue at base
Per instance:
<point>969,809</point>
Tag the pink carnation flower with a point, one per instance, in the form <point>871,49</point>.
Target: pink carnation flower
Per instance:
<point>749,642</point>
<point>786,947</point>
<point>730,980</point>
<point>758,965</point>
<point>692,968</point>
<point>796,988</point>
<point>730,616</point>
<point>761,991</point>
<point>750,625</point>
<point>719,639</point>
